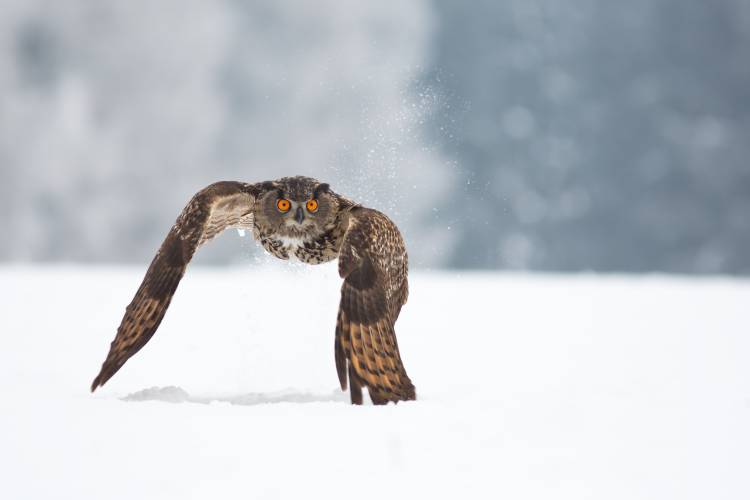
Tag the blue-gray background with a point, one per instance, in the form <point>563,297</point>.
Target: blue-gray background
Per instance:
<point>518,134</point>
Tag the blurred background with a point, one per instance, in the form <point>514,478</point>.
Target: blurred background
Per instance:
<point>516,134</point>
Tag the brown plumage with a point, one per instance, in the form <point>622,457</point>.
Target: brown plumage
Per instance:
<point>373,263</point>
<point>284,219</point>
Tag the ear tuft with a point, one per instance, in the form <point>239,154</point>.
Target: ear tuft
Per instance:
<point>321,188</point>
<point>268,186</point>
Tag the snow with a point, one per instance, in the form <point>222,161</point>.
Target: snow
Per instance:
<point>529,386</point>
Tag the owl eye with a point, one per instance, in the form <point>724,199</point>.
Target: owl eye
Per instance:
<point>283,205</point>
<point>312,205</point>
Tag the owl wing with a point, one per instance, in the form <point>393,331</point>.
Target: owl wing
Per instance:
<point>212,210</point>
<point>373,263</point>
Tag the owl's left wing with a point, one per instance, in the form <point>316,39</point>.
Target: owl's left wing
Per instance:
<point>211,211</point>
<point>373,263</point>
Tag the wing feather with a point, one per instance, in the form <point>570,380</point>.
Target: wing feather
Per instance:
<point>211,211</point>
<point>341,349</point>
<point>372,261</point>
<point>370,364</point>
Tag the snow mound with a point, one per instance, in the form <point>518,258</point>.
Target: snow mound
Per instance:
<point>174,394</point>
<point>169,394</point>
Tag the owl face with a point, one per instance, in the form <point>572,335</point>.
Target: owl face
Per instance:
<point>296,207</point>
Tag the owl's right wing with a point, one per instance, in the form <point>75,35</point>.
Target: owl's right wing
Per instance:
<point>212,210</point>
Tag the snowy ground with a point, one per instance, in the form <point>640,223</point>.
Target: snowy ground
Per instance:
<point>530,387</point>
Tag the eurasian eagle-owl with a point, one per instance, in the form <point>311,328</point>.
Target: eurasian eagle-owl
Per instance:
<point>302,218</point>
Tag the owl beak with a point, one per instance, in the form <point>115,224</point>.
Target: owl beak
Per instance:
<point>299,216</point>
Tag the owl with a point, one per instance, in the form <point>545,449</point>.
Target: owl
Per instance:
<point>293,217</point>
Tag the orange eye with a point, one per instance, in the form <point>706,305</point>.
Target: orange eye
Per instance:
<point>283,205</point>
<point>312,205</point>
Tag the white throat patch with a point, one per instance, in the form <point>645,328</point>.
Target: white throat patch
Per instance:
<point>290,242</point>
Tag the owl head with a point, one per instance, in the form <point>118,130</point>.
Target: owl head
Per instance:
<point>296,207</point>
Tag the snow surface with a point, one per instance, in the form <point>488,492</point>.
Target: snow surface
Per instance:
<point>538,387</point>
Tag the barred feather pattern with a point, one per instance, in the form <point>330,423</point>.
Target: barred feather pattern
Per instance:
<point>373,263</point>
<point>209,212</point>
